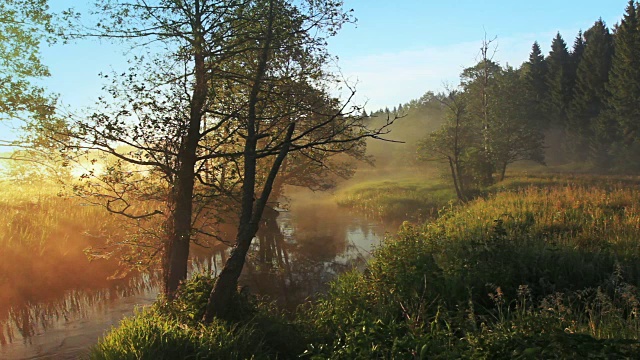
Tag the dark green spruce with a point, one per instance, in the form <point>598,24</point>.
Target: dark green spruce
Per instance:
<point>587,127</point>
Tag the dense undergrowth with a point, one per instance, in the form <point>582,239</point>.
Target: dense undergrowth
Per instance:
<point>172,330</point>
<point>537,268</point>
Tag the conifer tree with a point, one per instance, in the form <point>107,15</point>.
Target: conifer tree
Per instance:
<point>590,93</point>
<point>624,79</point>
<point>575,57</point>
<point>579,45</point>
<point>559,82</point>
<point>536,86</point>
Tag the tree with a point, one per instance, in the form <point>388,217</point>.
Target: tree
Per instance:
<point>306,127</point>
<point>451,142</point>
<point>513,136</point>
<point>558,82</point>
<point>589,101</point>
<point>492,112</point>
<point>624,79</point>
<point>577,51</point>
<point>229,91</point>
<point>477,85</point>
<point>498,101</point>
<point>536,86</point>
<point>24,25</point>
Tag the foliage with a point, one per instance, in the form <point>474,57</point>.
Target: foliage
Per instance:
<point>588,106</point>
<point>558,82</point>
<point>453,143</point>
<point>570,106</point>
<point>535,73</point>
<point>172,330</point>
<point>545,267</point>
<point>624,83</point>
<point>513,136</point>
<point>24,25</point>
<point>489,126</point>
<point>257,107</point>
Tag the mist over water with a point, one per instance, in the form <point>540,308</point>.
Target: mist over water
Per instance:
<point>292,259</point>
<point>56,305</point>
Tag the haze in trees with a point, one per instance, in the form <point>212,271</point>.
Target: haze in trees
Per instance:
<point>202,125</point>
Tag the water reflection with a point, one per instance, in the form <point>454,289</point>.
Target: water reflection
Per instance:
<point>66,326</point>
<point>295,255</point>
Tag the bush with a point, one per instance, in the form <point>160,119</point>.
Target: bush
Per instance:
<point>172,330</point>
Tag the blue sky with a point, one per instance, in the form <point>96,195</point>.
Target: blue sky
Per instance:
<point>400,49</point>
<point>397,51</point>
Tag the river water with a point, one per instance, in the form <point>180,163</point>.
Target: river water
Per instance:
<point>293,258</point>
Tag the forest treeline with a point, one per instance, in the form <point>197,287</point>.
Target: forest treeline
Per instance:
<point>574,105</point>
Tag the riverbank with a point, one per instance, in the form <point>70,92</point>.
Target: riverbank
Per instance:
<point>540,267</point>
<point>412,199</point>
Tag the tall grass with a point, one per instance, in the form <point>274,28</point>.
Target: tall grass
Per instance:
<point>529,272</point>
<point>172,330</point>
<point>43,219</point>
<point>43,237</point>
<point>409,199</point>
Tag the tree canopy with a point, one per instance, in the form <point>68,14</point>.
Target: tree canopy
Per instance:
<point>24,25</point>
<point>232,100</point>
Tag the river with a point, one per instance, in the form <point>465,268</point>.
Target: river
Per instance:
<point>292,259</point>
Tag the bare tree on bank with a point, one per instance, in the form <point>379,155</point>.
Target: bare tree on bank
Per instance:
<point>206,121</point>
<point>486,64</point>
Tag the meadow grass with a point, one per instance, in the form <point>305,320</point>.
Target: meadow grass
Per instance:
<point>548,269</point>
<point>43,218</point>
<point>407,199</point>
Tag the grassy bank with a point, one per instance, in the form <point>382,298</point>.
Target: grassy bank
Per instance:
<point>532,273</point>
<point>538,268</point>
<point>172,330</point>
<point>408,199</point>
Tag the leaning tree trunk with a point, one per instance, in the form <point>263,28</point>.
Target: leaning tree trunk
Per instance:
<point>227,283</point>
<point>178,238</point>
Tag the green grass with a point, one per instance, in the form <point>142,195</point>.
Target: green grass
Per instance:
<point>409,199</point>
<point>549,270</point>
<point>172,330</point>
<point>150,335</point>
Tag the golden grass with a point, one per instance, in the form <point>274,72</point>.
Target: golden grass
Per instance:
<point>44,233</point>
